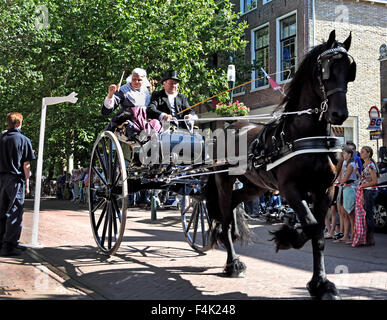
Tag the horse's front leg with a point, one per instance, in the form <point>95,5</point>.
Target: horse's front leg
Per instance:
<point>319,286</point>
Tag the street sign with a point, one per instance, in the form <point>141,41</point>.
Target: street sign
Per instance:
<point>377,134</point>
<point>374,112</point>
<point>375,124</point>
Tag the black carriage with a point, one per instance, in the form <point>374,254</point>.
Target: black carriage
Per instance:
<point>119,167</point>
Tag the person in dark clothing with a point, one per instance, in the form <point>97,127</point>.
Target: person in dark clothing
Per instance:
<point>15,156</point>
<point>168,103</point>
<point>356,155</point>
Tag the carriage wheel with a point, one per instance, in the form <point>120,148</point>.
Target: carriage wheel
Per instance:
<point>196,223</point>
<point>108,193</point>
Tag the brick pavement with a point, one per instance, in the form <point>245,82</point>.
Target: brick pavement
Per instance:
<point>155,262</point>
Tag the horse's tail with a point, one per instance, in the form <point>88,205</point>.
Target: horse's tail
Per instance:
<point>240,228</point>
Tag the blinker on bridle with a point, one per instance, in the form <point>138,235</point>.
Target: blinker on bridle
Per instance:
<point>324,61</point>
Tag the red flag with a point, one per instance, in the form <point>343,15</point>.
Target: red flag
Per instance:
<point>273,84</point>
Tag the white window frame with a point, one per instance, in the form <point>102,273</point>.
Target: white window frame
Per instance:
<point>240,93</point>
<point>278,45</point>
<point>253,88</point>
<point>241,2</point>
<point>352,122</point>
<point>265,1</point>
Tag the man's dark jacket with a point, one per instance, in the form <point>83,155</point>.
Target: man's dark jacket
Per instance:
<point>160,104</point>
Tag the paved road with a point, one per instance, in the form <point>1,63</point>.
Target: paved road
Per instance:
<point>155,262</point>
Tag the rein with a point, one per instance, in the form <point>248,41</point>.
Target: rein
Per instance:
<point>254,117</point>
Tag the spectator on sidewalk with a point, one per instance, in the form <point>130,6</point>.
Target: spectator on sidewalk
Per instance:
<point>81,185</point>
<point>75,180</point>
<point>356,157</point>
<point>86,185</point>
<point>348,180</point>
<point>67,190</point>
<point>253,207</point>
<point>331,223</point>
<point>369,178</point>
<point>15,156</point>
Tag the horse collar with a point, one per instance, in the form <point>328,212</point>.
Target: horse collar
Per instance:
<point>319,144</point>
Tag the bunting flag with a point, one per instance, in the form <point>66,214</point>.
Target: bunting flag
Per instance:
<point>273,84</point>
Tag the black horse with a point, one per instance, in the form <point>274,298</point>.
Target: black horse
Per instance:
<point>319,86</point>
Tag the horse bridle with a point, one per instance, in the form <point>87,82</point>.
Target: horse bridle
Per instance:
<point>324,61</point>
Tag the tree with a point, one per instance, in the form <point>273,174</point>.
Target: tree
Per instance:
<point>87,46</point>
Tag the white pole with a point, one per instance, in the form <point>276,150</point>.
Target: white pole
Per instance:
<point>231,79</point>
<point>38,184</point>
<point>313,23</point>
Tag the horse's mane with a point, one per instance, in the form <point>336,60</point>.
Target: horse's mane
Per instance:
<point>305,72</point>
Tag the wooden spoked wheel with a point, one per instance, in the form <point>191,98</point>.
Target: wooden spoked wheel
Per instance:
<point>196,223</point>
<point>108,193</point>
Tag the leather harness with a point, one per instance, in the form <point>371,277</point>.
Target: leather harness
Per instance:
<point>281,150</point>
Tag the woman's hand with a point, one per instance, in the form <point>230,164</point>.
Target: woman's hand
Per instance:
<point>112,88</point>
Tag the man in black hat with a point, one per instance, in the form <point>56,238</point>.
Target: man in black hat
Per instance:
<point>168,103</point>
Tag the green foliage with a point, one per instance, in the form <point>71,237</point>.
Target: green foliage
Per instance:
<point>86,47</point>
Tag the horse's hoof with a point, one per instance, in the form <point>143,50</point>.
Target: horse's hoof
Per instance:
<point>330,296</point>
<point>235,269</point>
<point>238,274</point>
<point>323,290</point>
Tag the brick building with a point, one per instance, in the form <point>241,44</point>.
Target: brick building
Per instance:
<point>280,33</point>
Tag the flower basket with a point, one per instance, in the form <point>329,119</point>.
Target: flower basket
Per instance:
<point>235,109</point>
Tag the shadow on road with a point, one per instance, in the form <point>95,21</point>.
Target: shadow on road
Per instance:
<point>137,279</point>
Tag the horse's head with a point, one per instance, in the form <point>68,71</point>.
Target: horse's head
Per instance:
<point>335,69</point>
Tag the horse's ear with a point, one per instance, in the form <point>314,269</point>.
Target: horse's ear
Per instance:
<point>331,40</point>
<point>347,42</point>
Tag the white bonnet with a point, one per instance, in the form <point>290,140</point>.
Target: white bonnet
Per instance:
<point>142,73</point>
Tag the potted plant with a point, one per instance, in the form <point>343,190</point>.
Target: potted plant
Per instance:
<point>232,109</point>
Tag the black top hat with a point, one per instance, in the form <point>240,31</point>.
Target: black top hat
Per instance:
<point>170,74</point>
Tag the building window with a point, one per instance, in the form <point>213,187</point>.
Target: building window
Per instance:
<point>348,131</point>
<point>265,1</point>
<point>239,90</point>
<point>248,5</point>
<point>287,47</point>
<point>260,55</point>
